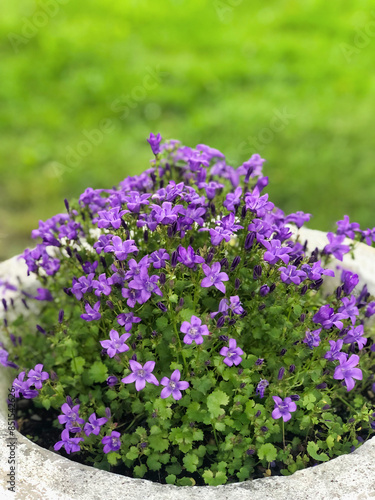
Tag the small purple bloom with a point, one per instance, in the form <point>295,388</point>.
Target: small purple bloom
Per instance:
<point>111,217</point>
<point>194,331</point>
<point>275,252</point>
<point>112,442</point>
<point>101,286</point>
<point>37,376</point>
<point>315,272</point>
<point>173,386</point>
<point>355,334</point>
<point>326,317</point>
<point>70,416</point>
<point>232,354</point>
<point>70,444</point>
<point>350,281</point>
<point>188,257</point>
<point>159,257</point>
<point>335,246</point>
<point>349,309</point>
<point>22,387</point>
<point>312,339</point>
<point>214,276</point>
<point>116,344</point>
<point>93,425</point>
<point>261,387</point>
<point>291,274</point>
<point>146,285</point>
<point>141,374</point>
<point>120,248</point>
<point>335,349</point>
<point>127,320</point>
<point>347,228</point>
<point>347,371</point>
<point>92,313</point>
<point>44,294</point>
<point>154,141</point>
<point>283,408</point>
<point>112,380</point>
<point>298,218</point>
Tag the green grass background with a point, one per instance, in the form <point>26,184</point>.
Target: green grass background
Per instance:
<point>225,69</point>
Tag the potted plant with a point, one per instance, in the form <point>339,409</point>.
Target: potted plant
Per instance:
<point>184,335</point>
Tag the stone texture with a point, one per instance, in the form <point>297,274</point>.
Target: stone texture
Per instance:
<point>44,475</point>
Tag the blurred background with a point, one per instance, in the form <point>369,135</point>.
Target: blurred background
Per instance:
<point>84,83</point>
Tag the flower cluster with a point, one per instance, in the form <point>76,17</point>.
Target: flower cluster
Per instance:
<point>184,318</point>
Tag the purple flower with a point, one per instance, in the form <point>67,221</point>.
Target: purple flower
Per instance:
<point>291,274</point>
<point>120,248</point>
<point>258,204</point>
<point>159,257</point>
<point>194,331</point>
<point>335,350</point>
<point>22,387</point>
<point>101,286</point>
<point>92,313</point>
<point>312,339</point>
<point>93,425</point>
<point>347,228</point>
<point>154,142</point>
<point>370,311</point>
<point>135,267</point>
<point>232,200</point>
<point>112,380</point>
<point>141,374</point>
<point>347,371</point>
<point>167,213</point>
<point>4,358</point>
<point>275,252</point>
<point>251,167</point>
<point>110,218</point>
<point>283,408</point>
<point>37,376</point>
<point>112,442</point>
<point>326,317</point>
<point>234,306</point>
<point>232,353</point>
<point>135,200</point>
<point>116,344</point>
<point>133,296</point>
<point>349,309</point>
<point>82,286</point>
<point>146,285</point>
<point>188,257</point>
<point>127,320</point>
<point>355,334</point>
<point>315,272</point>
<point>70,444</point>
<point>214,276</point>
<point>261,387</point>
<point>298,218</point>
<point>335,246</point>
<point>70,416</point>
<point>173,386</point>
<point>350,281</point>
<point>44,294</point>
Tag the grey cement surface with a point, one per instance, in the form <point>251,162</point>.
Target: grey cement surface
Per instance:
<point>45,475</point>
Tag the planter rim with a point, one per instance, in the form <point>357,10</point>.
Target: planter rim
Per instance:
<point>42,474</point>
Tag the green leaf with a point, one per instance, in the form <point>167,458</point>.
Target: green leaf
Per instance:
<point>171,479</point>
<point>267,451</point>
<point>153,462</point>
<point>161,323</point>
<point>77,364</point>
<point>133,453</point>
<point>98,372</point>
<point>158,443</point>
<point>312,450</point>
<point>112,457</point>
<point>46,403</point>
<point>215,400</point>
<point>140,470</point>
<point>173,298</point>
<point>191,461</point>
<point>203,384</point>
<point>186,314</point>
<point>211,480</point>
<point>330,442</point>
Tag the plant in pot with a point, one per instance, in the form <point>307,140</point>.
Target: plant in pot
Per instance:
<point>184,335</point>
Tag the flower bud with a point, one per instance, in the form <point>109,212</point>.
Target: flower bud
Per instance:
<point>264,290</point>
<point>112,380</point>
<point>162,307</point>
<point>303,290</point>
<point>237,284</point>
<point>281,373</point>
<point>61,316</point>
<point>249,240</point>
<point>235,262</point>
<point>257,272</point>
<point>294,397</point>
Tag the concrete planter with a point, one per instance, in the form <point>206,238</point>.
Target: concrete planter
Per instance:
<point>42,474</point>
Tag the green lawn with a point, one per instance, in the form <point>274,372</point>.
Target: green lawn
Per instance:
<point>198,71</point>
